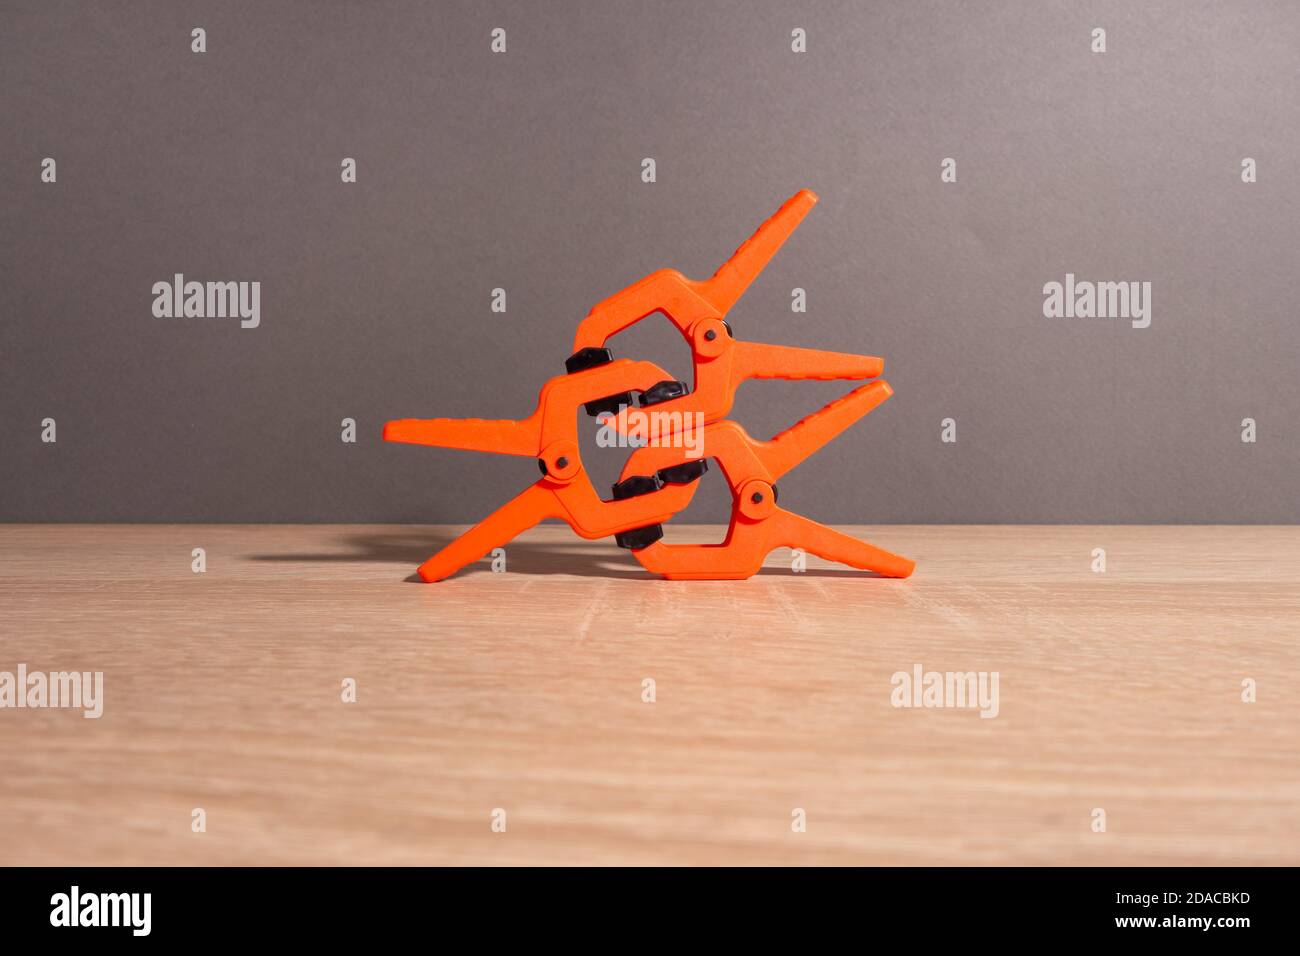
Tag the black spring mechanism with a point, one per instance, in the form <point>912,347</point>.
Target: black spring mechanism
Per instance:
<point>637,485</point>
<point>584,359</point>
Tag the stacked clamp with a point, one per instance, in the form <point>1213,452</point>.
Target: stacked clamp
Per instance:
<point>641,402</point>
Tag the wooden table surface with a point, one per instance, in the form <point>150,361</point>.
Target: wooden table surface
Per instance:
<point>523,691</point>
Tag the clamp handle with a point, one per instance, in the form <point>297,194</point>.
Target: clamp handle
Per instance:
<point>808,435</point>
<point>530,507</point>
<point>735,275</point>
<point>686,301</point>
<point>749,543</point>
<point>796,531</point>
<point>759,360</point>
<point>503,436</point>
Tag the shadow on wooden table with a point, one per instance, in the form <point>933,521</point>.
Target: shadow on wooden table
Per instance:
<point>575,557</point>
<point>414,547</point>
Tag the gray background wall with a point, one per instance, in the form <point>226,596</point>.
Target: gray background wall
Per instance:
<point>522,171</point>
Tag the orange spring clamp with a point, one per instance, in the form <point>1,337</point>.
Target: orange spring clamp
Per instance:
<point>698,310</point>
<point>758,524</point>
<point>660,477</point>
<point>565,491</point>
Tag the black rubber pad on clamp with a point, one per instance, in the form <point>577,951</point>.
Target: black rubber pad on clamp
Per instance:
<point>639,538</point>
<point>664,391</point>
<point>584,359</point>
<point>682,474</point>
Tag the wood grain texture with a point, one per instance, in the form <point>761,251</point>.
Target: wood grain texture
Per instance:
<point>522,691</point>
